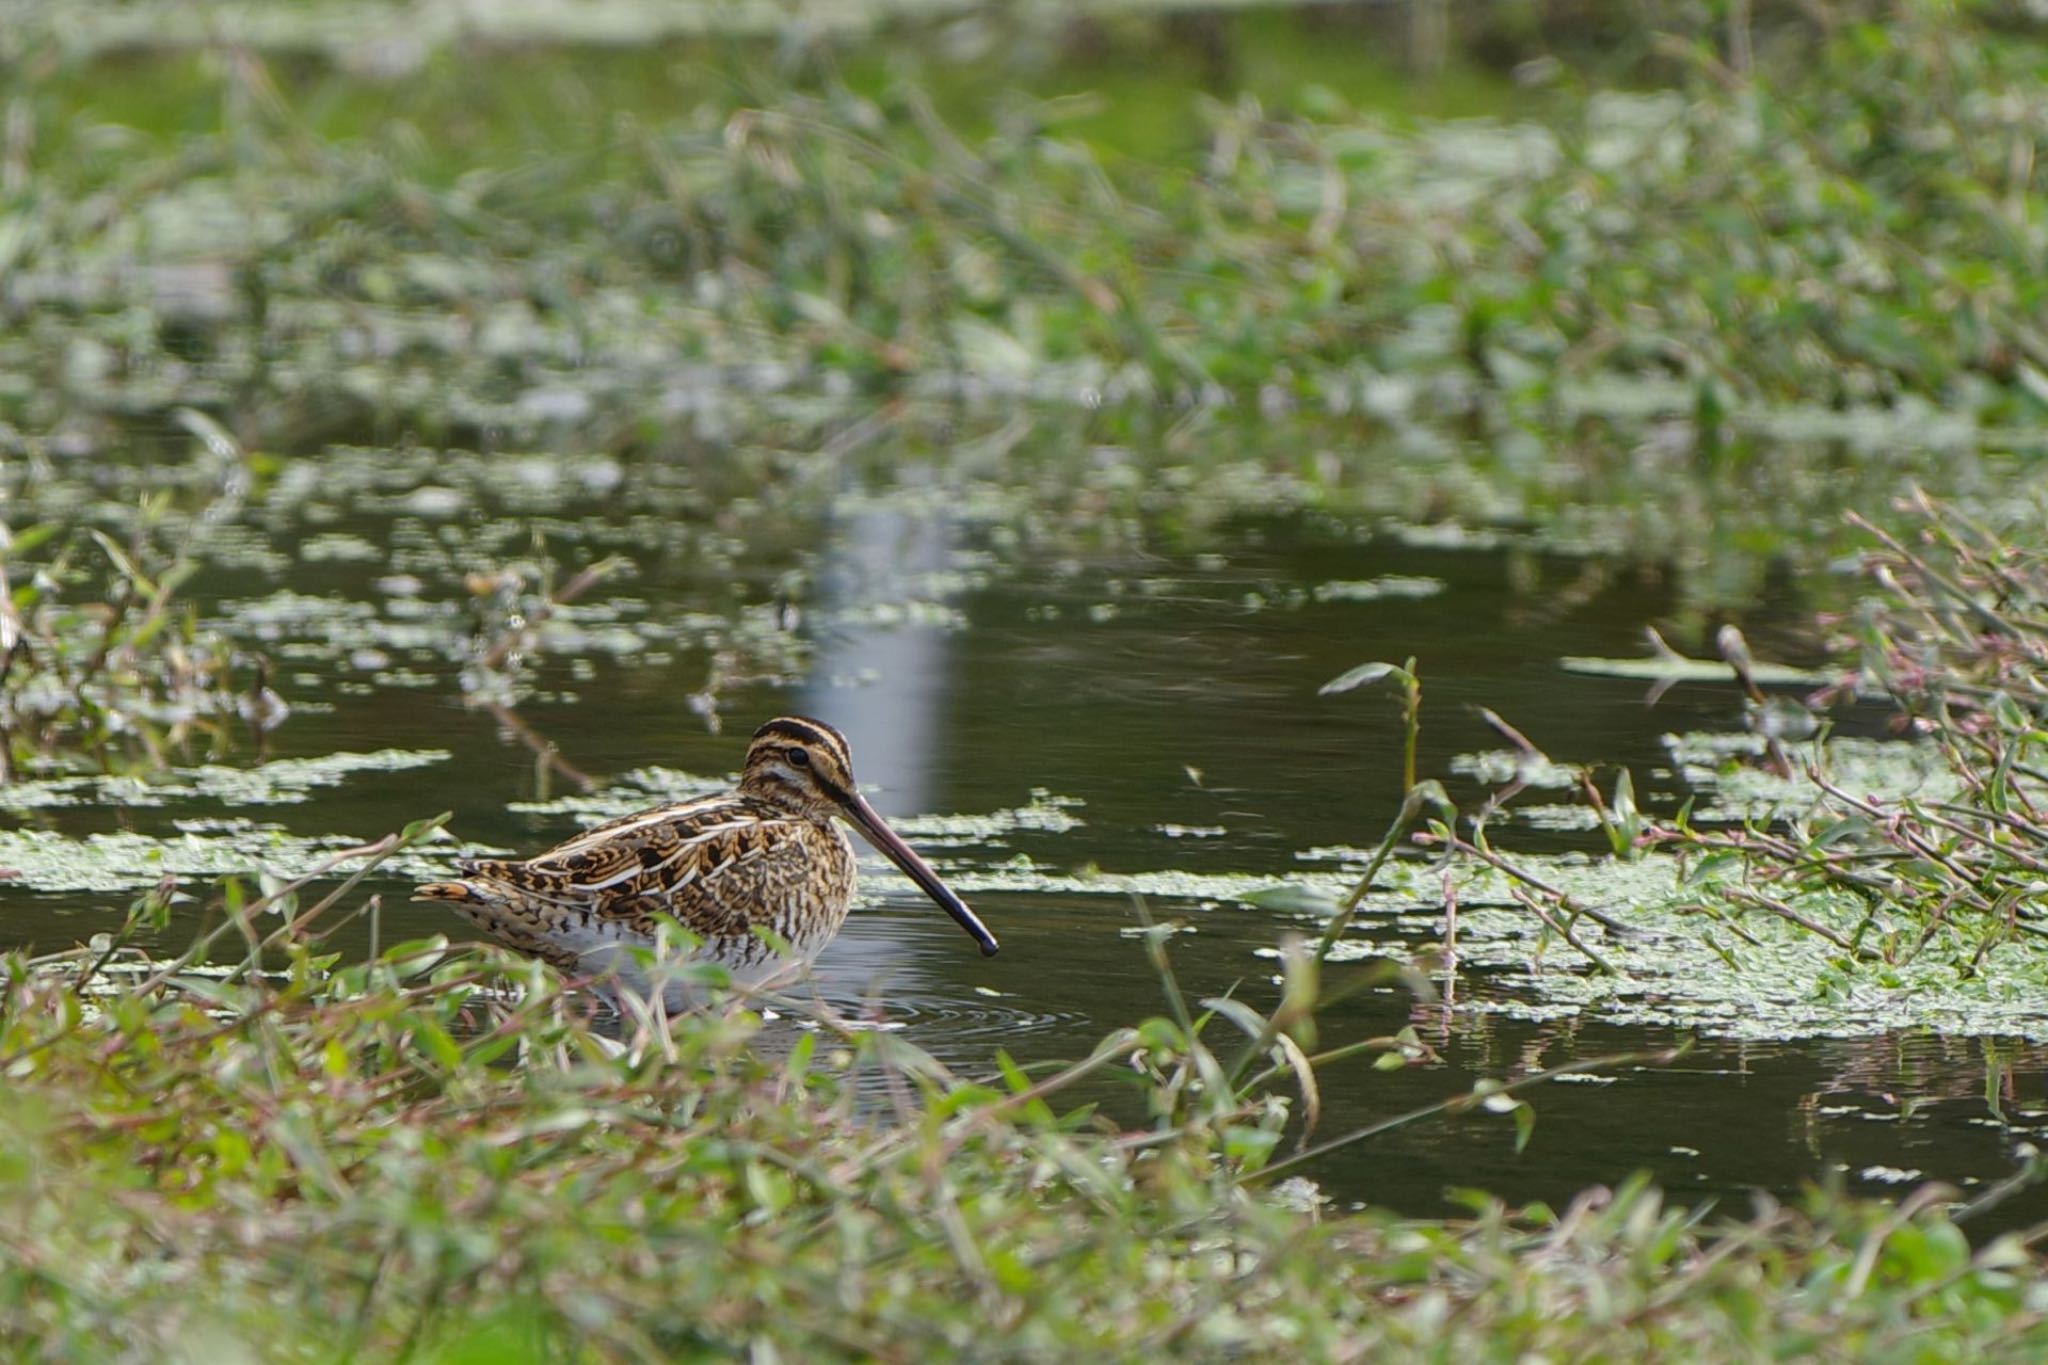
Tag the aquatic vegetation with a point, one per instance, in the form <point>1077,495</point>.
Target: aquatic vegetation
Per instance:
<point>1437,304</point>
<point>1668,666</point>
<point>1948,868</point>
<point>1656,942</point>
<point>1810,884</point>
<point>279,781</point>
<point>1807,887</point>
<point>1731,779</point>
<point>102,661</point>
<point>125,862</point>
<point>389,1157</point>
<point>1376,589</point>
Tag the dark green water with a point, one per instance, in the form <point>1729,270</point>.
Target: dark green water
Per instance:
<point>977,647</point>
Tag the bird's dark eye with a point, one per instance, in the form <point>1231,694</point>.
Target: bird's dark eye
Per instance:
<point>797,756</point>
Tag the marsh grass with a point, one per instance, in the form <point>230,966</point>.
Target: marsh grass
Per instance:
<point>1954,632</point>
<point>399,1158</point>
<point>103,662</point>
<point>1920,872</point>
<point>1939,860</point>
<point>1688,324</point>
<point>1829,246</point>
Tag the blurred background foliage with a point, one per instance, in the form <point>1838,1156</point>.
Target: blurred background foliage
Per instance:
<point>359,220</point>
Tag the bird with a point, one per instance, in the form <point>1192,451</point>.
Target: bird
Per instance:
<point>767,855</point>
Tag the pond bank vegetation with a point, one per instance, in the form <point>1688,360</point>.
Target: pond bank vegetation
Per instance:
<point>324,1159</point>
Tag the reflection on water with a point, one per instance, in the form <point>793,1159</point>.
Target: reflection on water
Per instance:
<point>879,671</point>
<point>881,675</point>
<point>1175,699</point>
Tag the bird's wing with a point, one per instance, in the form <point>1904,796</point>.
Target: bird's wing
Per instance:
<point>672,859</point>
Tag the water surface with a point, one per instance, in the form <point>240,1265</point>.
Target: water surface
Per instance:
<point>1154,687</point>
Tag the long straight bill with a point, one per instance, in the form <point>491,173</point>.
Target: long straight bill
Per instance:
<point>892,846</point>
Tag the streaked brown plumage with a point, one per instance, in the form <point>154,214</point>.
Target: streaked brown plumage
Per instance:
<point>765,855</point>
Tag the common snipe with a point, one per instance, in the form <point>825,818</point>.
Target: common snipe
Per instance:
<point>766,855</point>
